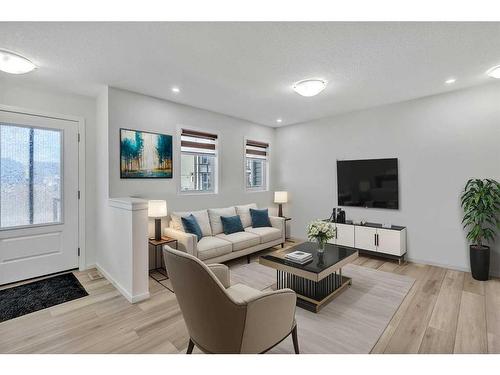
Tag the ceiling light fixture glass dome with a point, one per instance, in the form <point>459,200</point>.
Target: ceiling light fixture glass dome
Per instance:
<point>14,63</point>
<point>494,72</point>
<point>309,87</point>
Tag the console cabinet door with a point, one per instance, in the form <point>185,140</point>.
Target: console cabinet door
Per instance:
<point>345,235</point>
<point>364,238</point>
<point>389,241</point>
<point>333,241</point>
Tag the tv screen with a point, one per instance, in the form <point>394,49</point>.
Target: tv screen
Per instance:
<point>368,183</point>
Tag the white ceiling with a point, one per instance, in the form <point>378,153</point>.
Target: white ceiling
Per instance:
<point>246,70</point>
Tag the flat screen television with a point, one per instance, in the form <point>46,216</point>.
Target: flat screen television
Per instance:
<point>368,183</point>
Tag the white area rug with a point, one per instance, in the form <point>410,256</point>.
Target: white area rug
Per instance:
<point>352,322</point>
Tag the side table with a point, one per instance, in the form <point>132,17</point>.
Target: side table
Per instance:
<point>159,255</point>
<point>287,219</point>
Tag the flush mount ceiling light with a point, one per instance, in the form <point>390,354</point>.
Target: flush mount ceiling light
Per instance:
<point>13,63</point>
<point>494,72</point>
<point>279,121</point>
<point>309,87</point>
<point>176,89</point>
<point>450,81</point>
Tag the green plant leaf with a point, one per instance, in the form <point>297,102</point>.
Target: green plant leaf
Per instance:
<point>480,201</point>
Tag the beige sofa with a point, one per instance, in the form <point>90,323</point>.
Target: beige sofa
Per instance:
<point>217,247</point>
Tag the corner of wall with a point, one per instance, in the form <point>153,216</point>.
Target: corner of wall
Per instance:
<point>102,179</point>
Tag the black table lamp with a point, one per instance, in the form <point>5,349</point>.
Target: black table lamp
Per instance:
<point>157,209</point>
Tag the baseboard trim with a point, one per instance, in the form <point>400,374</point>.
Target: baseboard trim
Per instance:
<point>426,262</point>
<point>140,297</point>
<point>121,289</point>
<point>456,268</point>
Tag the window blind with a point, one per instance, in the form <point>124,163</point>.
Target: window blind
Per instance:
<point>256,150</point>
<point>198,142</point>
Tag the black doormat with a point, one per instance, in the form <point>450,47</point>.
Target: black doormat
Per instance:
<point>24,299</point>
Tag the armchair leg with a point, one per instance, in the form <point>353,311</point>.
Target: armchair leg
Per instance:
<point>295,340</point>
<point>190,347</point>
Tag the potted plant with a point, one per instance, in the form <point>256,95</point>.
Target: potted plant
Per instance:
<point>320,231</point>
<point>481,203</point>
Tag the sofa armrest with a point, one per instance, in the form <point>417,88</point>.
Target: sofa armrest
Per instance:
<point>270,317</point>
<point>221,271</point>
<point>187,242</point>
<point>278,223</point>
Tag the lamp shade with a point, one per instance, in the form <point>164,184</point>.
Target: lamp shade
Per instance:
<point>280,197</point>
<point>157,208</point>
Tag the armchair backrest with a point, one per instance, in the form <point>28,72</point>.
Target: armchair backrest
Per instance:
<point>214,321</point>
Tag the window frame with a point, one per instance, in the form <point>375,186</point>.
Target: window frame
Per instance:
<point>266,176</point>
<point>178,175</point>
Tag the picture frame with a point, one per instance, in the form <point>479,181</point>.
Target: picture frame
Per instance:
<point>145,154</point>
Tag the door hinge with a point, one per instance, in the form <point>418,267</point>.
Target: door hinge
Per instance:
<point>78,251</point>
<point>78,194</point>
<point>78,137</point>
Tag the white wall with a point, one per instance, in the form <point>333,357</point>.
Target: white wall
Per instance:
<point>135,111</point>
<point>46,100</point>
<point>440,141</point>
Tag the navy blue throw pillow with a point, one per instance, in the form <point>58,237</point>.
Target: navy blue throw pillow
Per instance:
<point>231,224</point>
<point>191,226</point>
<point>260,218</point>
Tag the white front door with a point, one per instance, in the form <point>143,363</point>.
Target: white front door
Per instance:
<point>38,196</point>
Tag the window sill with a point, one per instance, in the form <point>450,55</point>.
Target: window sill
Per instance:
<point>257,190</point>
<point>190,192</point>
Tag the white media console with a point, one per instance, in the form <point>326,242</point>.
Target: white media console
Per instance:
<point>372,238</point>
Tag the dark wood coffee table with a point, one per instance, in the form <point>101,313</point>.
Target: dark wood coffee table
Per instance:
<point>316,282</point>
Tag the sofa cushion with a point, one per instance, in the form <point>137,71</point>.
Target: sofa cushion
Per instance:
<point>211,247</point>
<point>231,224</point>
<point>215,213</point>
<point>266,234</point>
<point>191,226</point>
<point>241,240</point>
<point>201,218</point>
<point>260,218</point>
<point>244,213</point>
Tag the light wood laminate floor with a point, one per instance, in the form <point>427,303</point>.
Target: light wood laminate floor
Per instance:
<point>445,311</point>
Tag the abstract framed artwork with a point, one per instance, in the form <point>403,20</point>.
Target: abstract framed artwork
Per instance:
<point>145,154</point>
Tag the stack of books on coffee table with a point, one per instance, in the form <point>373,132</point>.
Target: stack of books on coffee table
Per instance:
<point>299,257</point>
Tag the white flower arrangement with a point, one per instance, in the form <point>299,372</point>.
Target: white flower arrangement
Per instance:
<point>320,231</point>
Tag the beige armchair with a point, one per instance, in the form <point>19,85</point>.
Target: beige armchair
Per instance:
<point>228,319</point>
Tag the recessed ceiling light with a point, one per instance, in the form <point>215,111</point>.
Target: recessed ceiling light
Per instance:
<point>176,89</point>
<point>450,81</point>
<point>309,87</point>
<point>13,63</point>
<point>494,72</point>
<point>279,121</point>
